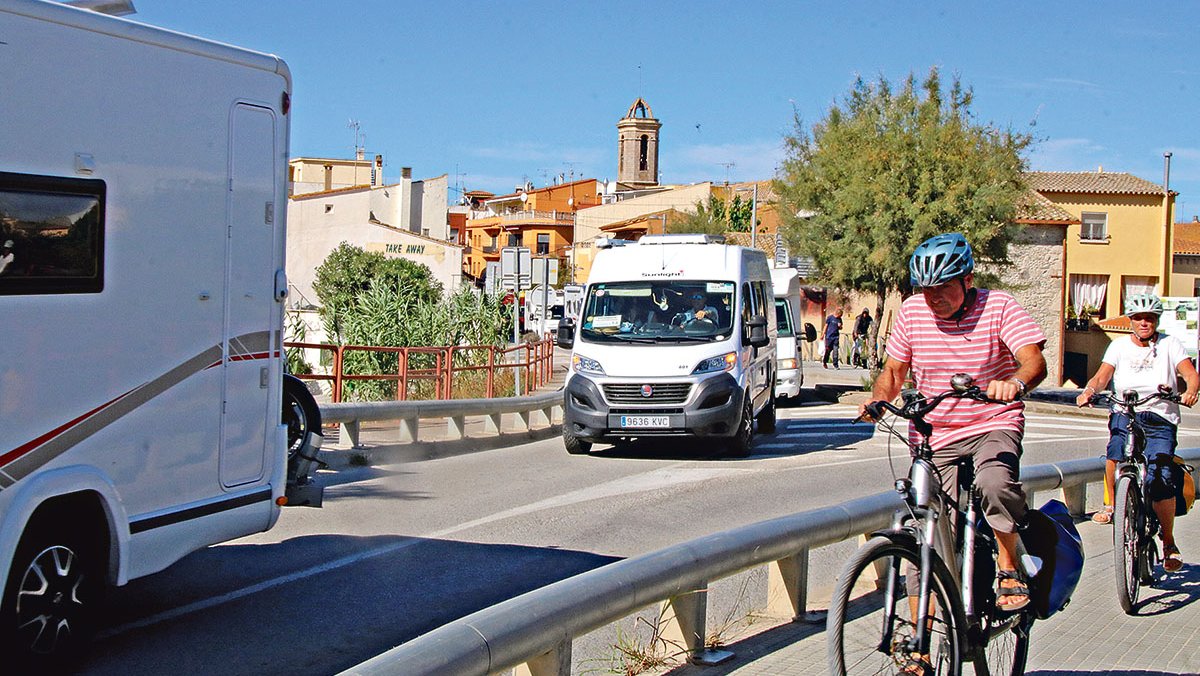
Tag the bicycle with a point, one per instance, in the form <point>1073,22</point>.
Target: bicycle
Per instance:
<point>1134,526</point>
<point>957,618</point>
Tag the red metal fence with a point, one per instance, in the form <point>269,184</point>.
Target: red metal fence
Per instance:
<point>460,371</point>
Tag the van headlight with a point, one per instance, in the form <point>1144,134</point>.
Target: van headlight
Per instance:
<point>583,364</point>
<point>722,362</point>
<point>788,364</point>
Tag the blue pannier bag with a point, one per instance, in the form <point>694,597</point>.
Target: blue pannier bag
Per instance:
<point>1049,534</point>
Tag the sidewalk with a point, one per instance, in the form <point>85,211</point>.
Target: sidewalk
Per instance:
<point>1091,636</point>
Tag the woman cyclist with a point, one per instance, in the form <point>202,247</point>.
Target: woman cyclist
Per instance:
<point>1142,362</point>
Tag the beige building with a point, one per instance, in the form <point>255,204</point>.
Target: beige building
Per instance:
<point>396,222</point>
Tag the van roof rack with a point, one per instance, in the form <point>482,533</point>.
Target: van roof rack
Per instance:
<point>682,239</point>
<point>610,242</point>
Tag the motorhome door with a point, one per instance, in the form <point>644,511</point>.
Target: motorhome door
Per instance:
<point>249,289</point>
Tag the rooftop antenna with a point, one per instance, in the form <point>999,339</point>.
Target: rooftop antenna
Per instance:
<point>727,165</point>
<point>354,124</point>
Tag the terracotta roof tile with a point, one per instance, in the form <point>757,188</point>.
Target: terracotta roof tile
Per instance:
<point>1037,208</point>
<point>1096,182</point>
<point>1186,238</point>
<point>1118,323</point>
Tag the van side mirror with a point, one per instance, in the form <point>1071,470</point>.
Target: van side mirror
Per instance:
<point>565,335</point>
<point>756,330</point>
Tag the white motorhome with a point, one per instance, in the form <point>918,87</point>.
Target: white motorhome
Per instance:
<point>676,338</point>
<point>143,186</point>
<point>790,376</point>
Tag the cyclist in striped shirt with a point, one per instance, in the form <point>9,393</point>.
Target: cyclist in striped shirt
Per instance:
<point>952,327</point>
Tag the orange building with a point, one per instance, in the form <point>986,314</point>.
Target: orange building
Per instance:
<point>541,219</point>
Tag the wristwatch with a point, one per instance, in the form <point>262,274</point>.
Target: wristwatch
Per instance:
<point>1020,386</point>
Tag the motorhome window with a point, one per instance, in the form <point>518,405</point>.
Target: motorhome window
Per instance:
<point>784,319</point>
<point>658,312</point>
<point>51,235</point>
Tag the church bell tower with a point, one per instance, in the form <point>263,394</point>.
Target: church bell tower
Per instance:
<point>637,141</point>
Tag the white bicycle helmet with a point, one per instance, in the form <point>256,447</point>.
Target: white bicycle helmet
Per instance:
<point>1143,303</point>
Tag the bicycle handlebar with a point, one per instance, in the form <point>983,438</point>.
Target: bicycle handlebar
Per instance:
<point>1130,400</point>
<point>916,407</point>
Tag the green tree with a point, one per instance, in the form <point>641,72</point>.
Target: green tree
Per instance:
<point>349,271</point>
<point>715,217</point>
<point>887,169</point>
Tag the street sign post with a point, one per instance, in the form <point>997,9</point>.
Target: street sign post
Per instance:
<point>516,268</point>
<point>516,274</point>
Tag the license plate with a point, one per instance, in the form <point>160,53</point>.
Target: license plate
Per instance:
<point>645,421</point>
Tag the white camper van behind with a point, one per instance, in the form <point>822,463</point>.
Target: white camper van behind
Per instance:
<point>676,338</point>
<point>143,188</point>
<point>790,376</point>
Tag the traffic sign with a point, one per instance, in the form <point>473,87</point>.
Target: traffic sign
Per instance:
<point>516,268</point>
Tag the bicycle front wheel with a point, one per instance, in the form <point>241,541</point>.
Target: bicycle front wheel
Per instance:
<point>1126,541</point>
<point>1006,647</point>
<point>871,626</point>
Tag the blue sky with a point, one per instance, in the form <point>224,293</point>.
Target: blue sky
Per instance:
<point>496,93</point>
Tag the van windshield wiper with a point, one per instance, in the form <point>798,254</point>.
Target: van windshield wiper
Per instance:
<point>684,339</point>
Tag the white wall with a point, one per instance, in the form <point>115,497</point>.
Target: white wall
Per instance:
<point>317,224</point>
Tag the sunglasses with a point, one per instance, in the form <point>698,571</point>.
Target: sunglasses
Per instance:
<point>697,297</point>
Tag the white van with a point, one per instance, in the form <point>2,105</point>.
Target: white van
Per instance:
<point>676,338</point>
<point>143,183</point>
<point>790,375</point>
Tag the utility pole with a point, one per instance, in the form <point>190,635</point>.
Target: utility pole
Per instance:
<point>1168,234</point>
<point>754,217</point>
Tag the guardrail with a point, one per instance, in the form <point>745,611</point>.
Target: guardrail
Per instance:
<point>439,366</point>
<point>536,629</point>
<point>542,408</point>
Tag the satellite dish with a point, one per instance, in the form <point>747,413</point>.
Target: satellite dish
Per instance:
<point>570,201</point>
<point>524,197</point>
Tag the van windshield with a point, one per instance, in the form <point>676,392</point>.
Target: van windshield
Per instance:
<point>784,318</point>
<point>658,311</point>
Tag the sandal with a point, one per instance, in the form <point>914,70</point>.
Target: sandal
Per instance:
<point>1018,591</point>
<point>1104,516</point>
<point>1172,559</point>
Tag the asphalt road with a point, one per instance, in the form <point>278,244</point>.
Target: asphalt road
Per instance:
<point>400,549</point>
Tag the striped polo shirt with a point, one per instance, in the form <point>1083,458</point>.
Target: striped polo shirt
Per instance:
<point>981,344</point>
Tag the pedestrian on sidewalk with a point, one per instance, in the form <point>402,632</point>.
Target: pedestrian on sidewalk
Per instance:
<point>833,327</point>
<point>862,327</point>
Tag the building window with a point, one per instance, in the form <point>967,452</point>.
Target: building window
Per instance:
<point>1133,285</point>
<point>1094,227</point>
<point>1087,295</point>
<point>514,240</point>
<point>644,153</point>
<point>543,244</point>
<point>51,234</point>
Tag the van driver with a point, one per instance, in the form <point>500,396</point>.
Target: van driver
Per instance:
<point>699,311</point>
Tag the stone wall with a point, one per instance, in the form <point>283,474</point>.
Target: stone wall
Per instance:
<point>1035,279</point>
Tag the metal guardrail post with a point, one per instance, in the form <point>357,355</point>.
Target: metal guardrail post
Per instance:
<point>409,430</point>
<point>690,610</point>
<point>491,373</point>
<point>350,431</point>
<point>557,662</point>
<point>787,586</point>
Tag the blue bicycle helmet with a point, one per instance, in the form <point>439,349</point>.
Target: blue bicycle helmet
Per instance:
<point>940,259</point>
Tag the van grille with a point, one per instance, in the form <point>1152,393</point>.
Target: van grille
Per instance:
<point>663,393</point>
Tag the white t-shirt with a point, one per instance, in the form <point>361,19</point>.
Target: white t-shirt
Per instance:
<point>1143,369</point>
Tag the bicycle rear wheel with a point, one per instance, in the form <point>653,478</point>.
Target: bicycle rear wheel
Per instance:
<point>870,627</point>
<point>1126,542</point>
